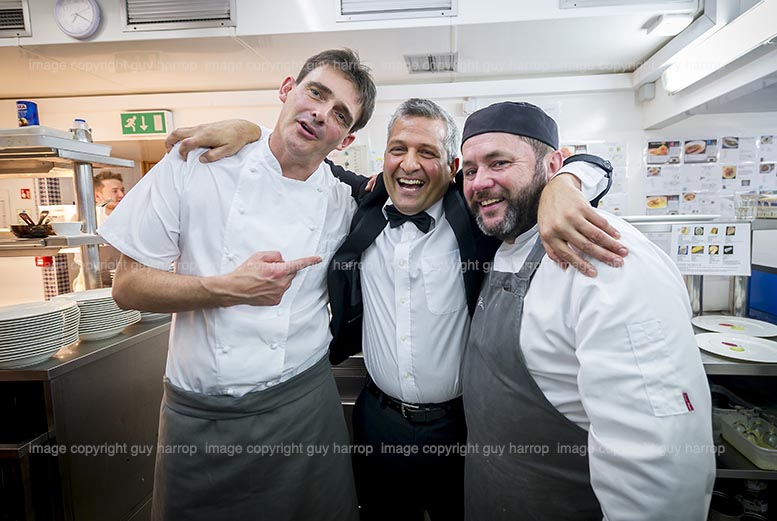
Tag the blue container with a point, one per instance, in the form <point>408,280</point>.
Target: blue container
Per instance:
<point>27,112</point>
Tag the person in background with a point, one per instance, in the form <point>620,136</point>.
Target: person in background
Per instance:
<point>108,192</point>
<point>402,287</point>
<point>589,392</point>
<point>249,391</point>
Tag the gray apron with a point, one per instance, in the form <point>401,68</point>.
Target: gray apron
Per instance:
<point>256,457</point>
<point>543,472</point>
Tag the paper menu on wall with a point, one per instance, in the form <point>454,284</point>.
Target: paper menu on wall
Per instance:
<point>767,148</point>
<point>767,176</point>
<point>615,203</point>
<point>662,205</point>
<point>711,248</point>
<point>614,152</point>
<point>699,203</point>
<point>739,178</point>
<point>735,150</point>
<point>662,152</point>
<point>700,151</point>
<point>664,179</point>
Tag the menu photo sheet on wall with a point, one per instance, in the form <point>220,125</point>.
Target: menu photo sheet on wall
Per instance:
<point>711,248</point>
<point>617,199</point>
<point>704,174</point>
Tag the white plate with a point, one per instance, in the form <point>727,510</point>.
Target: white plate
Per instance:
<point>102,335</point>
<point>740,347</point>
<point>736,325</point>
<point>24,362</point>
<point>90,294</point>
<point>33,309</point>
<point>153,317</point>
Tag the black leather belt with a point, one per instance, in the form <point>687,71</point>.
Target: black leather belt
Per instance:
<point>416,413</point>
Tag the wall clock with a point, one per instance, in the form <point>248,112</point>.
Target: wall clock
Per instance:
<point>77,18</point>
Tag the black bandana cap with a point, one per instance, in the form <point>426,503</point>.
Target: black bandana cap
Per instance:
<point>511,117</point>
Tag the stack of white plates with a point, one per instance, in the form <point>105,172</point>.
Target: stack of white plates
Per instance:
<point>32,333</point>
<point>101,318</point>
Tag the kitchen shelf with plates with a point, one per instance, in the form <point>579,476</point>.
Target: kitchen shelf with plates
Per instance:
<point>38,151</point>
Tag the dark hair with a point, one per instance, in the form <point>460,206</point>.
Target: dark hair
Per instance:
<point>347,62</point>
<point>539,148</point>
<point>104,176</point>
<point>425,108</point>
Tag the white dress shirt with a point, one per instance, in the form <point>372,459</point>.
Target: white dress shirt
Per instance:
<point>209,218</point>
<point>416,319</point>
<point>616,355</point>
<point>415,311</point>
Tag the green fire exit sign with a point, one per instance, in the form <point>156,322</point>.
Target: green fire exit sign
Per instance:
<point>146,123</point>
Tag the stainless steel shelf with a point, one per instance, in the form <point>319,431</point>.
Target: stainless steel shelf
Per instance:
<point>732,464</point>
<point>36,150</point>
<point>715,365</point>
<point>48,246</point>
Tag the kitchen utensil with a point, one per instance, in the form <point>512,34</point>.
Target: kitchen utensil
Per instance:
<point>42,216</point>
<point>26,218</point>
<point>26,231</point>
<point>737,325</point>
<point>740,347</point>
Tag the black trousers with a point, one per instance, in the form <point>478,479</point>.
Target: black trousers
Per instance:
<point>412,467</point>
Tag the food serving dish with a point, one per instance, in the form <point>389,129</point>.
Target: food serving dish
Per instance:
<point>739,347</point>
<point>737,325</point>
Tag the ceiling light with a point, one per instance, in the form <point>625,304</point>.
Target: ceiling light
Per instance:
<point>668,24</point>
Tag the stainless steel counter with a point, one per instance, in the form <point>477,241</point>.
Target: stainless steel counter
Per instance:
<point>84,353</point>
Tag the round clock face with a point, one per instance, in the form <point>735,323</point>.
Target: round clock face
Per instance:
<point>77,18</point>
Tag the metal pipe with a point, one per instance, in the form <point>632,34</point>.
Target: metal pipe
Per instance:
<point>739,296</point>
<point>694,283</point>
<point>85,211</point>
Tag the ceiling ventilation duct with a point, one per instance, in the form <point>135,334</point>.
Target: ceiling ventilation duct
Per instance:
<point>14,18</point>
<point>444,62</point>
<point>163,15</point>
<point>352,10</point>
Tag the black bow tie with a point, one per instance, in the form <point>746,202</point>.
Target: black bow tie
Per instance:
<point>422,220</point>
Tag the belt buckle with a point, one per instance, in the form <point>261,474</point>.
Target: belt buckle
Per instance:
<point>405,409</point>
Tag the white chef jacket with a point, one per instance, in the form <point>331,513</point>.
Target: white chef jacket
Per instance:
<point>416,319</point>
<point>616,355</point>
<point>209,218</point>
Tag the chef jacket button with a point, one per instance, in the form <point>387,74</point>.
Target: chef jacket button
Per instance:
<point>402,263</point>
<point>319,190</point>
<point>312,227</point>
<point>274,345</point>
<point>407,375</point>
<point>403,338</point>
<point>230,257</point>
<point>403,300</point>
<point>225,349</point>
<point>242,210</point>
<point>230,391</point>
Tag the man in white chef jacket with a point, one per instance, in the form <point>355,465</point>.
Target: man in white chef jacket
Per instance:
<point>585,398</point>
<point>251,416</point>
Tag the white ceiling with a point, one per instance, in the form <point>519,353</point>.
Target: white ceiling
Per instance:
<point>602,44</point>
